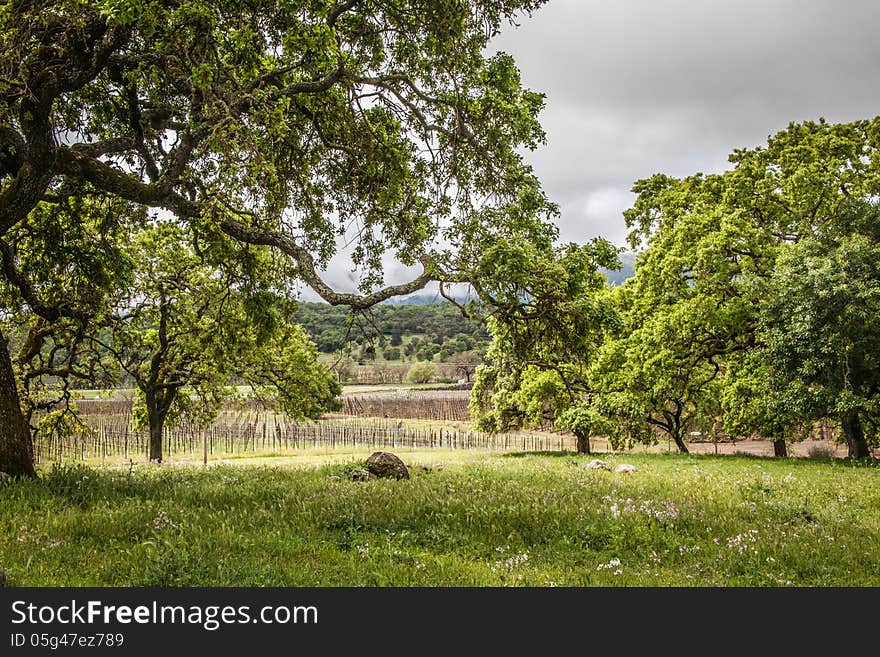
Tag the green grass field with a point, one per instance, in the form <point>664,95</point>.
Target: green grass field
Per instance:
<point>483,520</point>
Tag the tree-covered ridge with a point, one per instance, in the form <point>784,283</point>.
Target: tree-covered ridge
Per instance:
<point>393,331</point>
<point>627,269</point>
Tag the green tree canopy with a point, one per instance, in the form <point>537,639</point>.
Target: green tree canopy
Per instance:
<point>281,124</point>
<point>713,241</point>
<point>193,318</point>
<point>421,372</point>
<point>550,315</point>
<point>818,348</point>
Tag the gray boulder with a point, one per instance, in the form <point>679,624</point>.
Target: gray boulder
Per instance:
<point>626,468</point>
<point>597,464</point>
<point>387,465</point>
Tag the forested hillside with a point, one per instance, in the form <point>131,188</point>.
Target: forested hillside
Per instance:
<point>419,325</point>
<point>627,269</point>
<point>434,331</point>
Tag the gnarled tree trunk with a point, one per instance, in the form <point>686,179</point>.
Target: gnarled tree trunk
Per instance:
<point>855,436</point>
<point>779,448</point>
<point>156,422</point>
<point>156,441</point>
<point>583,443</point>
<point>16,448</point>
<point>678,436</point>
<point>158,399</point>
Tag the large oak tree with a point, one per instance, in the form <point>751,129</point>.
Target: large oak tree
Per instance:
<point>713,262</point>
<point>549,316</point>
<point>287,124</point>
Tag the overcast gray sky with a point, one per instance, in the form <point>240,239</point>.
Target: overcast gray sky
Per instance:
<point>636,87</point>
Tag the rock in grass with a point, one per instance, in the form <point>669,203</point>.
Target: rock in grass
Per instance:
<point>4,578</point>
<point>387,465</point>
<point>359,474</point>
<point>626,468</point>
<point>597,464</point>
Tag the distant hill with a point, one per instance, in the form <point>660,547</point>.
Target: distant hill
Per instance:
<point>614,276</point>
<point>627,269</point>
<point>425,299</point>
<point>422,326</point>
<point>417,330</point>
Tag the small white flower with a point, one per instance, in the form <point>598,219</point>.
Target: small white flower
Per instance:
<point>613,564</point>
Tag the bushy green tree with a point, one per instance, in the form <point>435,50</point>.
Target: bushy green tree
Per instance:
<point>189,322</point>
<point>421,372</point>
<point>550,314</point>
<point>818,349</point>
<point>391,353</point>
<point>713,241</point>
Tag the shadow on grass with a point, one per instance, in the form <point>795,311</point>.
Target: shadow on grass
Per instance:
<point>519,455</point>
<point>793,460</point>
<point>747,456</point>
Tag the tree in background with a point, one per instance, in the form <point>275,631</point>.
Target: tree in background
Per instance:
<point>753,402</point>
<point>712,242</point>
<point>277,124</point>
<point>191,321</point>
<point>818,347</point>
<point>643,381</point>
<point>391,353</point>
<point>466,363</point>
<point>421,372</point>
<point>550,315</point>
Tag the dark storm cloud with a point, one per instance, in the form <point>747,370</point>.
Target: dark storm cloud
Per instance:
<point>636,87</point>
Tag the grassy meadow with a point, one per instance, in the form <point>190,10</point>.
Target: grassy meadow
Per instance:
<point>484,519</point>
